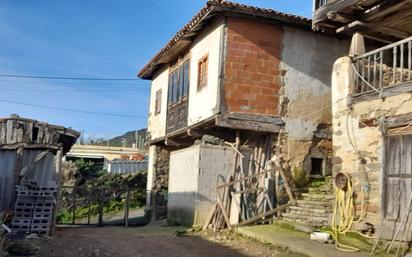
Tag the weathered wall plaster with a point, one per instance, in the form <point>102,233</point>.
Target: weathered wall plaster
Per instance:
<point>353,141</point>
<point>306,64</point>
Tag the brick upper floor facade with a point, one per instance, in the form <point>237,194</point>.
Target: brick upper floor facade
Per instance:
<point>236,69</point>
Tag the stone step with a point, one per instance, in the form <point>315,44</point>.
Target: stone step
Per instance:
<point>317,197</point>
<point>314,210</point>
<point>309,215</point>
<point>314,204</point>
<point>320,191</point>
<point>311,221</point>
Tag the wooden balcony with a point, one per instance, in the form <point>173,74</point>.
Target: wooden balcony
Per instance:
<point>382,20</point>
<point>383,72</point>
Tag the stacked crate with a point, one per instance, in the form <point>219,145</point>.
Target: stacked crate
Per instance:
<point>34,208</point>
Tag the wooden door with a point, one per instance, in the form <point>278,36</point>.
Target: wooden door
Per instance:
<point>397,176</point>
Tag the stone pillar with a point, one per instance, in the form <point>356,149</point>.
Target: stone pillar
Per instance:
<point>342,75</point>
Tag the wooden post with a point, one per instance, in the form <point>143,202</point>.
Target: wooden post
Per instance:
<point>74,206</point>
<point>101,195</point>
<point>17,169</point>
<point>58,162</point>
<point>126,209</point>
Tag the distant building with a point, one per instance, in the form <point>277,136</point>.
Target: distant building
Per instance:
<point>122,160</point>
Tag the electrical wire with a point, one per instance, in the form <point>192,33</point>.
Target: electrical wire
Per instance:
<point>72,90</point>
<point>75,83</point>
<point>66,78</point>
<point>73,110</point>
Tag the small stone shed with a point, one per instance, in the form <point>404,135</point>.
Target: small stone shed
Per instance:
<point>30,153</point>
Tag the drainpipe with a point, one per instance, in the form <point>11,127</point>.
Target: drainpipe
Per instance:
<point>222,60</point>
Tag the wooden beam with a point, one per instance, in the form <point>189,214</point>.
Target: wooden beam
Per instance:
<point>384,9</point>
<point>194,132</point>
<point>247,125</point>
<point>170,142</point>
<point>254,117</point>
<point>389,91</point>
<point>397,121</point>
<point>375,27</point>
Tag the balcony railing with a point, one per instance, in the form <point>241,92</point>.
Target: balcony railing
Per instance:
<point>320,3</point>
<point>383,68</point>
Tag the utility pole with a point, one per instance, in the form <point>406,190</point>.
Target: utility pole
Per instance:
<point>136,135</point>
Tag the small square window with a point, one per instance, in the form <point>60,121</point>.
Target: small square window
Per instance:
<point>317,166</point>
<point>202,73</point>
<point>158,102</point>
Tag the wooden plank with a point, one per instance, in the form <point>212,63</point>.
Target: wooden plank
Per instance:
<point>9,131</point>
<point>209,217</point>
<point>383,10</point>
<point>223,209</point>
<point>58,165</point>
<point>247,125</point>
<point>288,190</point>
<point>3,130</point>
<point>262,215</point>
<point>253,117</point>
<point>404,87</point>
<point>242,179</point>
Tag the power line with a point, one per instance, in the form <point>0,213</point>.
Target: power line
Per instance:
<point>131,83</point>
<point>72,90</point>
<point>66,78</point>
<point>73,110</point>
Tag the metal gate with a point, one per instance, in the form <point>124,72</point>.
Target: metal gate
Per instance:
<point>81,205</point>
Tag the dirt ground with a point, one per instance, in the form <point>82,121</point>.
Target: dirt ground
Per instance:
<point>150,241</point>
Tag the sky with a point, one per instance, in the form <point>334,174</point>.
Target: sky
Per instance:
<point>93,38</point>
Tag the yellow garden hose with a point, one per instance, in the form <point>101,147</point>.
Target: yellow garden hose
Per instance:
<point>344,212</point>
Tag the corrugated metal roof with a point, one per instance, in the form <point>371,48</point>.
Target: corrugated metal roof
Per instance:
<point>209,10</point>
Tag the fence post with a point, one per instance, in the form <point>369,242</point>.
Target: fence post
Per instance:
<point>126,209</point>
<point>74,206</point>
<point>101,208</point>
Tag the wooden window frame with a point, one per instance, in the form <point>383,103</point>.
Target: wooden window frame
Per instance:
<point>202,75</point>
<point>158,102</point>
<point>178,88</point>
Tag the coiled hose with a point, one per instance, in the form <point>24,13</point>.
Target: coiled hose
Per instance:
<point>344,212</point>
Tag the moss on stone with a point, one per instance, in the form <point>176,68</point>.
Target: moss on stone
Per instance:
<point>299,176</point>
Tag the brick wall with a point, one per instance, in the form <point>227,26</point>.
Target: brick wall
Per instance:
<point>252,67</point>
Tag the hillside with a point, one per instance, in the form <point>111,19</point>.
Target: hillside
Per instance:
<point>129,137</point>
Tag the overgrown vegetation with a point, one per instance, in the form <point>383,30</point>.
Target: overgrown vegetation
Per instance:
<point>86,171</point>
<point>96,191</point>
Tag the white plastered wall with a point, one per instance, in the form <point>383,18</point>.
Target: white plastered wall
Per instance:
<point>203,102</point>
<point>157,122</point>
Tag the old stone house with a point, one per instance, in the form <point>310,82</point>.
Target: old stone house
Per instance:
<point>372,105</point>
<point>235,73</point>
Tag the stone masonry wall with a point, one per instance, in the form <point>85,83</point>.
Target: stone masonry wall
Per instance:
<point>352,134</point>
<point>160,182</point>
